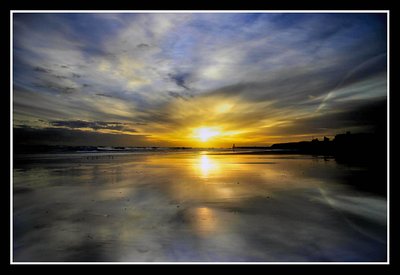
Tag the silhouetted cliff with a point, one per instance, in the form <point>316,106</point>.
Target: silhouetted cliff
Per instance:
<point>345,145</point>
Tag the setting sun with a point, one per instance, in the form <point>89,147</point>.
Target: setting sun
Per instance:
<point>206,133</point>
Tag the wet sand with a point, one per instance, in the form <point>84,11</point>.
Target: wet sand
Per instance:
<point>194,206</point>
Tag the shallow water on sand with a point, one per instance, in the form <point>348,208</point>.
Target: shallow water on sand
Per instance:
<point>194,206</point>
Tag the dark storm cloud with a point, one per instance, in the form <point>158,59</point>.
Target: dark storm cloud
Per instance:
<point>63,136</point>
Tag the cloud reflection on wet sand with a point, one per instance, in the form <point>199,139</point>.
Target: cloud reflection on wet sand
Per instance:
<point>194,207</point>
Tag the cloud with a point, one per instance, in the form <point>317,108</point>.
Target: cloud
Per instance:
<point>42,70</point>
<point>177,95</point>
<point>180,79</point>
<point>366,116</point>
<point>105,95</point>
<point>142,46</point>
<point>70,106</point>
<point>173,72</point>
<point>72,137</point>
<point>95,125</point>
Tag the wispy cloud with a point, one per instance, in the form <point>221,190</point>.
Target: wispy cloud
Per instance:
<point>164,74</point>
<point>95,125</point>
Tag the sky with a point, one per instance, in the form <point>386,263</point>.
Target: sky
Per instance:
<point>196,79</point>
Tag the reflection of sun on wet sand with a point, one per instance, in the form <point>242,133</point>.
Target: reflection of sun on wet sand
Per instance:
<point>206,166</point>
<point>204,221</point>
<point>193,206</point>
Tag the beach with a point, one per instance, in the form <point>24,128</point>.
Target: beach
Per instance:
<point>194,206</point>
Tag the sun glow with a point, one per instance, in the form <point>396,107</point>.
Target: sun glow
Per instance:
<point>206,133</point>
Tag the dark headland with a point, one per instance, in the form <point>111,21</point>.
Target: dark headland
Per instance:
<point>349,146</point>
<point>365,151</point>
